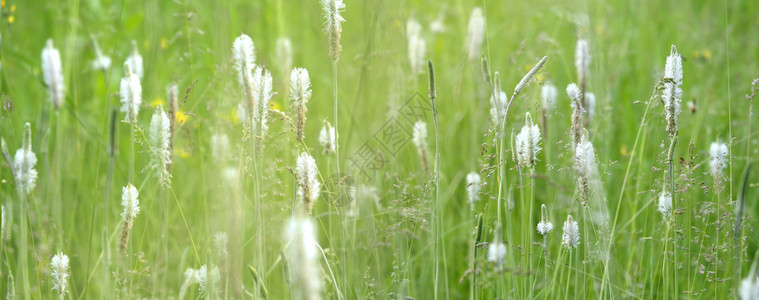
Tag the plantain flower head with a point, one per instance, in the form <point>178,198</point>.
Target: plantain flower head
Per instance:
<point>548,94</point>
<point>131,94</point>
<point>665,204</point>
<point>300,93</point>
<point>417,46</point>
<point>327,138</point>
<point>582,60</point>
<point>718,159</point>
<point>308,184</point>
<point>160,138</point>
<point>333,25</point>
<point>544,226</point>
<point>673,92</point>
<point>528,143</point>
<point>135,61</point>
<point>475,33</point>
<point>262,92</point>
<point>570,238</point>
<point>303,259</point>
<point>52,73</point>
<point>130,202</point>
<point>24,162</point>
<point>473,181</point>
<point>59,270</point>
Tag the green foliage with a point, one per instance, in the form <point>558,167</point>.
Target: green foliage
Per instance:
<point>376,226</point>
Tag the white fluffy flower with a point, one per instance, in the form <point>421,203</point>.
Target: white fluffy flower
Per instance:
<point>548,94</point>
<point>419,137</point>
<point>101,62</point>
<point>59,270</point>
<point>333,25</point>
<point>284,54</point>
<point>586,167</point>
<point>571,235</point>
<point>665,204</point>
<point>244,54</point>
<point>24,162</point>
<point>544,226</point>
<point>262,92</point>
<point>308,184</point>
<point>302,253</point>
<point>52,73</point>
<point>673,92</point>
<point>130,202</point>
<point>327,138</point>
<point>220,241</point>
<point>497,252</point>
<point>582,59</point>
<point>208,279</point>
<point>718,162</point>
<point>475,33</point>
<point>574,92</point>
<point>473,187</point>
<point>300,93</point>
<point>135,61</point>
<point>131,94</point>
<point>438,25</point>
<point>498,106</point>
<point>190,278</point>
<point>160,138</point>
<point>417,46</point>
<point>131,208</point>
<point>749,287</point>
<point>590,102</point>
<point>242,114</point>
<point>585,157</point>
<point>528,143</point>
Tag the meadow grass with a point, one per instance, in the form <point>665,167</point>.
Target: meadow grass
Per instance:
<point>391,220</point>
